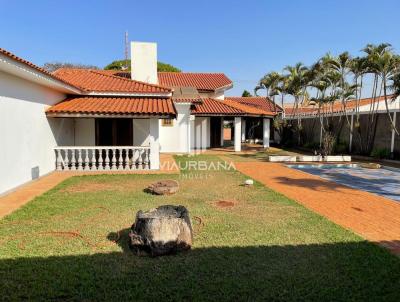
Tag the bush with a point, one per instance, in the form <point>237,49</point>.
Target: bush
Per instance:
<point>311,145</point>
<point>341,148</point>
<point>380,153</point>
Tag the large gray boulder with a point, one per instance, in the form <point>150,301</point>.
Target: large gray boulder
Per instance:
<point>161,231</point>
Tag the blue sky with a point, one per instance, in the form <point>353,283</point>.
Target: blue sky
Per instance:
<point>244,39</point>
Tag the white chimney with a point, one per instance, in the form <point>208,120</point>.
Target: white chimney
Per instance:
<point>144,62</point>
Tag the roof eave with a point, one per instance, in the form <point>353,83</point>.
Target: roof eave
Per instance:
<point>127,94</point>
<point>107,115</point>
<point>22,70</point>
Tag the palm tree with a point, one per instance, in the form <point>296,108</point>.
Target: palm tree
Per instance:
<point>297,82</point>
<point>386,66</point>
<point>383,65</point>
<point>359,67</point>
<point>395,87</point>
<point>272,82</point>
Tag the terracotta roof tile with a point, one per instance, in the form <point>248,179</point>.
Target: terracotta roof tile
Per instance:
<point>114,106</point>
<point>247,109</point>
<point>258,102</point>
<point>211,106</point>
<point>102,81</point>
<point>214,107</point>
<point>201,81</point>
<point>336,108</point>
<point>37,68</point>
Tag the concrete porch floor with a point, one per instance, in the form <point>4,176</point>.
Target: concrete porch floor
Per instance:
<point>246,148</point>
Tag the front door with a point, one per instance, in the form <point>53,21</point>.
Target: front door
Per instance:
<point>114,132</point>
<point>215,132</point>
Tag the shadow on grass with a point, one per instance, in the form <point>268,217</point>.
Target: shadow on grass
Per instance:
<point>357,271</point>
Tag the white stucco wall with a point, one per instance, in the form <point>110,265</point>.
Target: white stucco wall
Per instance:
<point>144,62</point>
<point>27,136</point>
<point>219,95</point>
<point>63,130</point>
<point>201,132</point>
<point>175,138</point>
<point>141,130</point>
<point>85,132</point>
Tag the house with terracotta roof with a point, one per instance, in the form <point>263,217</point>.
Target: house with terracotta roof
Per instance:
<point>91,120</point>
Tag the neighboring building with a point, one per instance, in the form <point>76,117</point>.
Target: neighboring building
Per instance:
<point>384,135</point>
<point>82,119</point>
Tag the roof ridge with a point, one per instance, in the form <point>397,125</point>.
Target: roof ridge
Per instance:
<point>256,105</point>
<point>244,106</point>
<point>128,80</point>
<point>223,102</point>
<point>191,72</point>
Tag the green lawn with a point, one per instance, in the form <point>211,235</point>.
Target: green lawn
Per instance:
<point>61,246</point>
<point>259,155</point>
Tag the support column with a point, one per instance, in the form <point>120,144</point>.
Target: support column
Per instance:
<point>192,133</point>
<point>243,130</point>
<point>351,132</point>
<point>204,133</point>
<point>189,134</point>
<point>393,134</point>
<point>266,132</point>
<point>238,130</point>
<point>197,134</point>
<point>154,140</point>
<point>222,131</point>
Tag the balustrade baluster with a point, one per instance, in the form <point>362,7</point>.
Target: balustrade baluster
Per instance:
<point>80,159</point>
<point>93,165</point>
<point>133,159</point>
<point>127,160</point>
<point>107,160</point>
<point>73,160</point>
<point>101,166</point>
<point>58,160</point>
<point>146,159</point>
<point>140,159</point>
<point>86,165</point>
<point>66,160</point>
<point>120,161</point>
<point>114,160</point>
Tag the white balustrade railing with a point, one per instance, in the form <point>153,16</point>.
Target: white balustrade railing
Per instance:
<point>102,158</point>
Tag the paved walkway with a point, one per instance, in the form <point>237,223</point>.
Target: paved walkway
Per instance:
<point>374,218</point>
<point>27,192</point>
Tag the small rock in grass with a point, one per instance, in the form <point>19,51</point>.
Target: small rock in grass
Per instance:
<point>164,187</point>
<point>248,182</point>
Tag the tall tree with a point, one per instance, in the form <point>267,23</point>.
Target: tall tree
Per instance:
<point>297,83</point>
<point>246,93</point>
<point>53,66</point>
<point>126,65</point>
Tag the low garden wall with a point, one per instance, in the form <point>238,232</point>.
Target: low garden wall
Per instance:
<point>311,131</point>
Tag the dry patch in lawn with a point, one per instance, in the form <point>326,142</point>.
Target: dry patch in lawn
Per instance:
<point>223,204</point>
